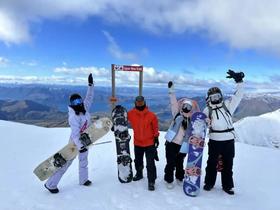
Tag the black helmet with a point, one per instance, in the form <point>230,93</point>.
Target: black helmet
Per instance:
<point>214,95</point>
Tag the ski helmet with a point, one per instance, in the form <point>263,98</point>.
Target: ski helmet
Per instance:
<point>75,99</point>
<point>214,95</point>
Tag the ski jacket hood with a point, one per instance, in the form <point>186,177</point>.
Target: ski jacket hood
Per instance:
<point>145,126</point>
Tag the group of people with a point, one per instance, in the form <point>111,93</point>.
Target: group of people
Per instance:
<point>146,136</point>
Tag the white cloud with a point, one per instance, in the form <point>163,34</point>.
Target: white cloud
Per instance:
<point>152,77</point>
<point>251,24</point>
<point>3,61</point>
<point>116,50</point>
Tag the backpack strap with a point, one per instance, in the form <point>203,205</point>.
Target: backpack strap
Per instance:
<point>210,110</point>
<point>177,115</point>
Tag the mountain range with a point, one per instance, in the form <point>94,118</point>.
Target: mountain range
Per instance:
<point>46,105</point>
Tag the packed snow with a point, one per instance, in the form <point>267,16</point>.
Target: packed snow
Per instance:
<point>263,130</point>
<point>256,175</point>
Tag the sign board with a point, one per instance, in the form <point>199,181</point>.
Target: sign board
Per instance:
<point>127,68</point>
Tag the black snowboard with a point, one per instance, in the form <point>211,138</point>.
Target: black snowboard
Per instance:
<point>122,137</point>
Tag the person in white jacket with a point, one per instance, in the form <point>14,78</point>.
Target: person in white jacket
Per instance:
<point>221,133</point>
<point>79,120</point>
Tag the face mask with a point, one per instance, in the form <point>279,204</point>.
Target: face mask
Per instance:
<point>79,109</point>
<point>141,108</point>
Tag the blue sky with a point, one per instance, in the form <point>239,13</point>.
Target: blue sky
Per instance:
<point>190,42</point>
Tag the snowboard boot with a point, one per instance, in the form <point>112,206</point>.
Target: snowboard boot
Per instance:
<point>169,186</point>
<point>151,186</point>
<point>207,187</point>
<point>138,176</point>
<point>229,191</point>
<point>87,183</point>
<point>53,191</point>
<point>179,182</point>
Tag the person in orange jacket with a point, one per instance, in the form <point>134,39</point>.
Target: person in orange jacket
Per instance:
<point>145,127</point>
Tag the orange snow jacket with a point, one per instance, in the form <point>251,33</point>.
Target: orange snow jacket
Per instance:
<point>145,126</point>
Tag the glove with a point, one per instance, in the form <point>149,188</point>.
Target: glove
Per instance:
<point>90,80</point>
<point>83,149</point>
<point>238,77</point>
<point>170,87</point>
<point>156,142</point>
<point>156,156</point>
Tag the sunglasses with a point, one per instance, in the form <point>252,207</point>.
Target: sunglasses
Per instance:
<point>76,102</point>
<point>186,107</point>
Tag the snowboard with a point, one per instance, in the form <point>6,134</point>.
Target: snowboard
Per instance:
<point>196,133</point>
<point>122,138</point>
<point>91,134</point>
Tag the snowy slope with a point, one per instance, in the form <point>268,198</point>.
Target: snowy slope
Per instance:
<point>263,130</point>
<point>24,146</point>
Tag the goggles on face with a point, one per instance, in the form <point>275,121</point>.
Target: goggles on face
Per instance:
<point>217,97</point>
<point>76,102</point>
<point>186,107</point>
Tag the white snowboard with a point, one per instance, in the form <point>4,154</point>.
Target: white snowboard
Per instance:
<point>96,130</point>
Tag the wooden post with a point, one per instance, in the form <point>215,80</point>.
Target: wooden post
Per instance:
<point>140,83</point>
<point>113,99</point>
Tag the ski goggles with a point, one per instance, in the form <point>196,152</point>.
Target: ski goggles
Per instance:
<point>76,102</point>
<point>186,107</point>
<point>217,97</point>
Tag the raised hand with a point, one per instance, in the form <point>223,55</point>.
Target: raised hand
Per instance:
<point>90,80</point>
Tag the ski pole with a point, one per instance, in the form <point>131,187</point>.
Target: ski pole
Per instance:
<point>104,142</point>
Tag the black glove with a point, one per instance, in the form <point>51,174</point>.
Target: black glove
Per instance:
<point>90,80</point>
<point>83,149</point>
<point>238,77</point>
<point>156,142</point>
<point>170,84</point>
<point>156,156</point>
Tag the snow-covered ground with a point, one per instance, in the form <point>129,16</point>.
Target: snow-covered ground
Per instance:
<point>263,130</point>
<point>256,175</point>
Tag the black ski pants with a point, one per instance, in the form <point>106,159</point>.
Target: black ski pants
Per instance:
<point>150,153</point>
<point>226,149</point>
<point>174,160</point>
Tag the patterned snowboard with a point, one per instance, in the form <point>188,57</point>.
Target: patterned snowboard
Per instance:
<point>197,132</point>
<point>48,167</point>
<point>122,137</point>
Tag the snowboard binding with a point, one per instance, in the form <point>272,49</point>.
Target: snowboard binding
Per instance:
<point>85,139</point>
<point>124,160</point>
<point>59,161</point>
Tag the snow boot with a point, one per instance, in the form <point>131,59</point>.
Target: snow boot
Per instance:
<point>207,187</point>
<point>51,190</point>
<point>87,183</point>
<point>169,185</point>
<point>151,186</point>
<point>179,182</point>
<point>229,191</point>
<point>138,176</point>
